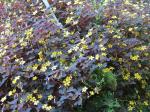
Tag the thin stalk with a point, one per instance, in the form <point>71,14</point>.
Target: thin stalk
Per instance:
<point>48,7</point>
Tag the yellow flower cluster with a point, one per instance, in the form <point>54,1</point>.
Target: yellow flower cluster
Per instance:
<point>34,67</point>
<point>42,41</point>
<point>10,93</point>
<point>56,53</point>
<point>79,2</point>
<point>3,99</point>
<point>131,105</point>
<point>126,76</point>
<point>50,97</point>
<point>31,98</point>
<point>68,20</point>
<point>46,107</point>
<point>44,66</point>
<point>29,34</point>
<point>137,76</point>
<point>23,42</point>
<point>134,57</point>
<point>141,48</point>
<point>40,54</point>
<point>67,81</point>
<point>20,61</point>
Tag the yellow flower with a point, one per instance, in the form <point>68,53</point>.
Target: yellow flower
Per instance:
<point>42,41</point>
<point>14,45</point>
<point>22,62</point>
<point>91,57</point>
<point>70,51</point>
<point>110,21</point>
<point>126,76</point>
<point>43,68</point>
<point>84,89</point>
<point>103,48</point>
<point>137,76</point>
<point>130,29</point>
<point>14,90</point>
<point>35,91</point>
<point>33,99</point>
<point>3,99</point>
<point>135,57</point>
<point>75,48</point>
<point>78,2</point>
<point>116,36</point>
<point>67,81</point>
<point>130,108</point>
<point>48,63</point>
<point>46,107</point>
<point>114,17</point>
<point>40,96</point>
<point>23,44</point>
<point>141,48</point>
<point>84,46</point>
<point>109,46</point>
<point>66,33</point>
<point>35,66</point>
<point>34,78</point>
<point>89,33</point>
<point>97,56</point>
<point>91,93</point>
<point>40,56</point>
<point>14,81</point>
<point>132,103</point>
<point>50,97</point>
<point>10,93</point>
<point>104,54</point>
<point>68,20</point>
<point>36,102</point>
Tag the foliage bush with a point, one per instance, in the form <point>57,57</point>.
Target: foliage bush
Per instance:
<point>97,61</point>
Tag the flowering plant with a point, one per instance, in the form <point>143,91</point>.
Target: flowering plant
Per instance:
<point>59,60</point>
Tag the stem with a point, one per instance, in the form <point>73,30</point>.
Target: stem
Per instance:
<point>48,7</point>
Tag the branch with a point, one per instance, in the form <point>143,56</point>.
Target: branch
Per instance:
<point>48,7</point>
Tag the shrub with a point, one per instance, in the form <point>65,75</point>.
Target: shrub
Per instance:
<point>101,51</point>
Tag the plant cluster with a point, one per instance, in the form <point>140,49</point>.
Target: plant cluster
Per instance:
<point>97,60</point>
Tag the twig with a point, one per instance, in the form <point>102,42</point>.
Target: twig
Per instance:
<point>48,7</point>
